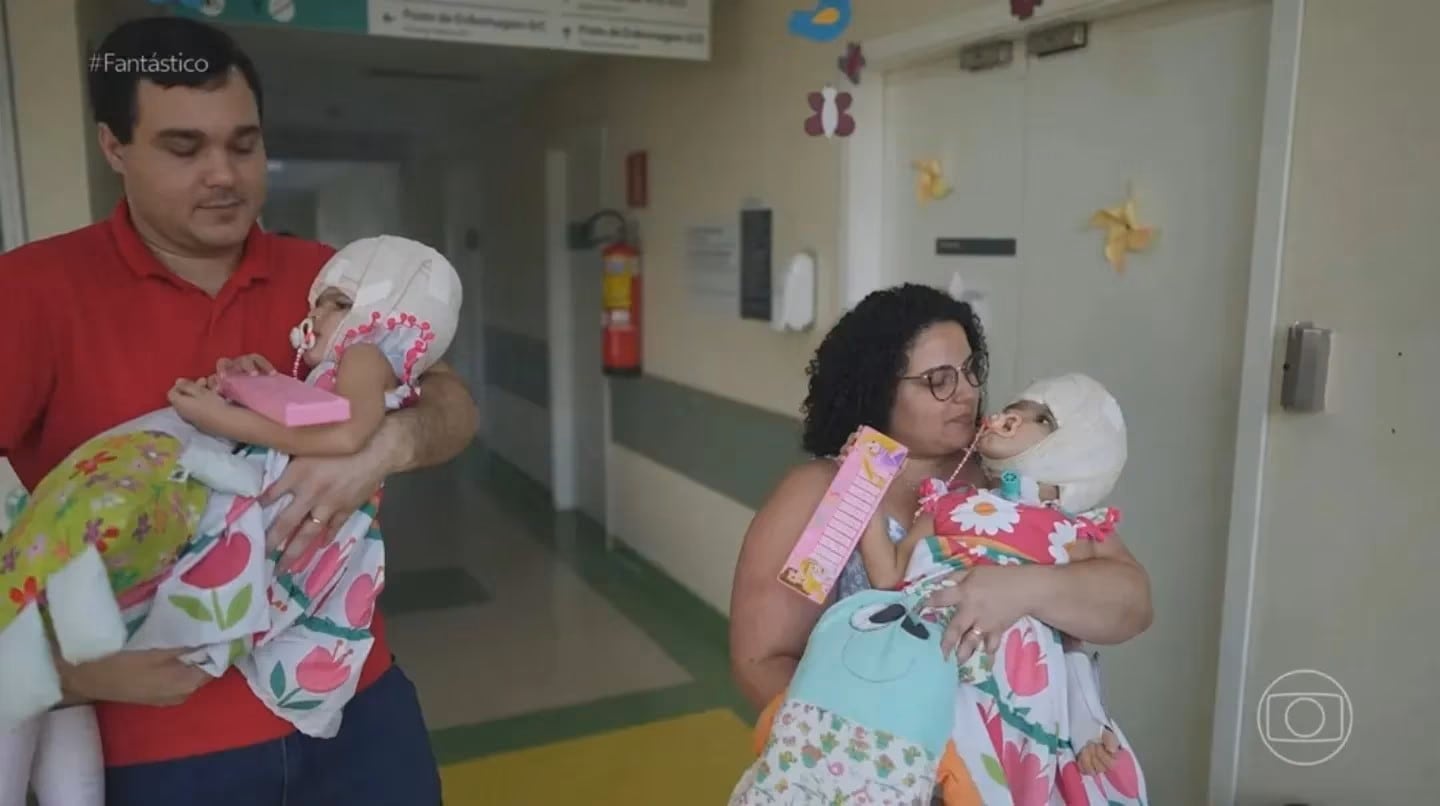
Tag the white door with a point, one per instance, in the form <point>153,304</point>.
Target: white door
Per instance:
<point>1038,147</point>
<point>971,124</point>
<point>579,393</point>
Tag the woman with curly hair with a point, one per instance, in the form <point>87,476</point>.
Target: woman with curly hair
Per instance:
<point>910,361</point>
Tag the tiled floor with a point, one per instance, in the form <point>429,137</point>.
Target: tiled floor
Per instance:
<point>538,652</point>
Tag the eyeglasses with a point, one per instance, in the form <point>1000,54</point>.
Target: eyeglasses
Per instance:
<point>944,381</point>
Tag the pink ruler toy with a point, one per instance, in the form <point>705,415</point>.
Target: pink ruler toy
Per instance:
<point>830,538</point>
<point>286,400</point>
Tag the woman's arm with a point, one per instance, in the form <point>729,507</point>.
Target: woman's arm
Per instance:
<point>363,378</point>
<point>769,624</point>
<point>1104,600</point>
<point>1101,600</point>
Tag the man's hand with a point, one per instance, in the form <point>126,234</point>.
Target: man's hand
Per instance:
<point>327,491</point>
<point>143,677</point>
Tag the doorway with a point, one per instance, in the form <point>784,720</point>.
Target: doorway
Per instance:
<point>579,394</point>
<point>1032,149</point>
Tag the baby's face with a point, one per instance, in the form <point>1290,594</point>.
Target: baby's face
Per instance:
<point>1016,429</point>
<point>329,311</point>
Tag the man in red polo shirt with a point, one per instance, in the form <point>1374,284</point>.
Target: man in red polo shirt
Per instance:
<point>100,322</point>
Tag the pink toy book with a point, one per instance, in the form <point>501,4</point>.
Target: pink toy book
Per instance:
<point>286,400</point>
<point>830,538</point>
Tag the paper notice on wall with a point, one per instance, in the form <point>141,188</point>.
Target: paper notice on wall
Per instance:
<point>678,29</point>
<point>712,260</point>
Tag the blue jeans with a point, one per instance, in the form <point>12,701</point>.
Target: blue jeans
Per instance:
<point>381,757</point>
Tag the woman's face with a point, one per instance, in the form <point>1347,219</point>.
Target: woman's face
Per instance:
<point>935,403</point>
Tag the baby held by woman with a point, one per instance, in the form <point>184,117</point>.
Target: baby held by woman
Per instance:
<point>1052,455</point>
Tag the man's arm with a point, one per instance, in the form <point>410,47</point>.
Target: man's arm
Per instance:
<point>326,490</point>
<point>434,430</point>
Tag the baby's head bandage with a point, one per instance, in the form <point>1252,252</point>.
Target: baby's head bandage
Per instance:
<point>1085,454</point>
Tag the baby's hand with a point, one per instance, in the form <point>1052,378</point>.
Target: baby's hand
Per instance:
<point>1098,756</point>
<point>251,364</point>
<point>199,404</point>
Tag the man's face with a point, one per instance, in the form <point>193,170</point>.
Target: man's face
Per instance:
<point>194,172</point>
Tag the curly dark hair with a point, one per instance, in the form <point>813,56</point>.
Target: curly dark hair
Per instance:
<point>855,371</point>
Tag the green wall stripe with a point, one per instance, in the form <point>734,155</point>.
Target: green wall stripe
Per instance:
<point>735,449</point>
<point>519,364</point>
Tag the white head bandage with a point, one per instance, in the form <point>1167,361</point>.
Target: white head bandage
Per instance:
<point>405,299</point>
<point>1085,454</point>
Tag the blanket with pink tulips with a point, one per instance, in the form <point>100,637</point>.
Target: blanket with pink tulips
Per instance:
<point>140,540</point>
<point>301,638</point>
<point>1025,712</point>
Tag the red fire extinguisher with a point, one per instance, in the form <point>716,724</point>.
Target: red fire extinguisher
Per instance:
<point>621,295</point>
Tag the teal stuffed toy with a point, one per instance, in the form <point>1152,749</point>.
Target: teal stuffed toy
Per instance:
<point>867,717</point>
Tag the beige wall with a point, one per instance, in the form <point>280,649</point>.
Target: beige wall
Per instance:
<point>67,183</point>
<point>48,63</point>
<point>719,133</point>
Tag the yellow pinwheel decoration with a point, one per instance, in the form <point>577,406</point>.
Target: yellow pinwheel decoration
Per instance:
<point>1123,232</point>
<point>930,184</point>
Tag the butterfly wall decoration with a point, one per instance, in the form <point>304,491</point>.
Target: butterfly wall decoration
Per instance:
<point>930,183</point>
<point>830,116</point>
<point>1123,232</point>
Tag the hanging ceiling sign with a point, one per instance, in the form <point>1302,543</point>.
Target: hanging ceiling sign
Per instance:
<point>670,29</point>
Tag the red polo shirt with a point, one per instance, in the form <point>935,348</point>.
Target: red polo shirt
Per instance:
<point>95,331</point>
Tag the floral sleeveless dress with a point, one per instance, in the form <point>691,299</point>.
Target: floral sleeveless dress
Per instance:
<point>1022,711</point>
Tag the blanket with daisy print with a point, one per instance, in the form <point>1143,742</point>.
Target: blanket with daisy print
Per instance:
<point>1023,713</point>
